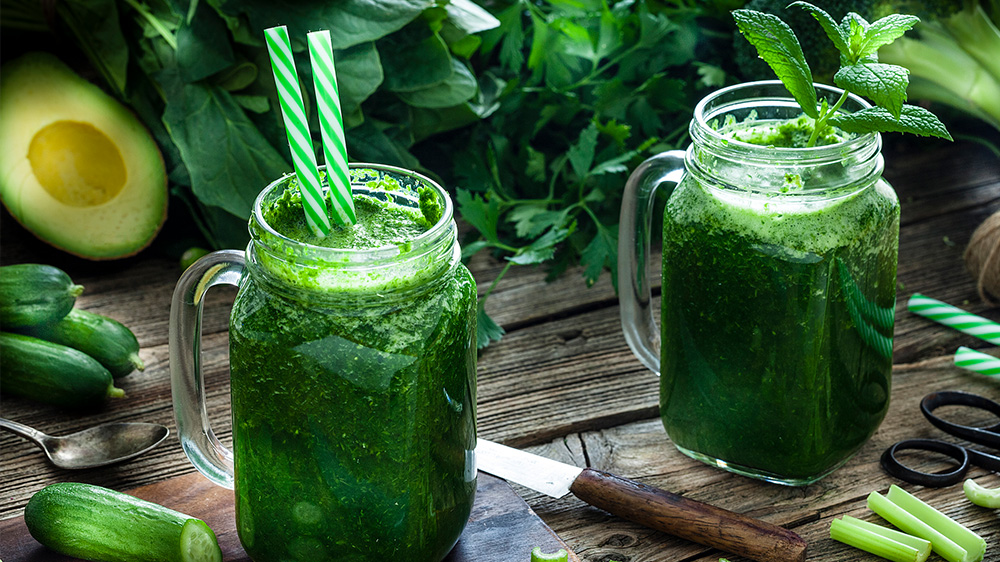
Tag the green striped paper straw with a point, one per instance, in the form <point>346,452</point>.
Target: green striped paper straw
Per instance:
<point>331,126</point>
<point>293,112</point>
<point>977,362</point>
<point>954,317</point>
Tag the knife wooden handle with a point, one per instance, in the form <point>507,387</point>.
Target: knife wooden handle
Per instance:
<point>689,519</point>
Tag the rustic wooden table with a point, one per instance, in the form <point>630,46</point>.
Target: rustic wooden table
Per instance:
<point>563,383</point>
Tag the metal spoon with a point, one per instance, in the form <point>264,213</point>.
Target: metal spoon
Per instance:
<point>97,446</point>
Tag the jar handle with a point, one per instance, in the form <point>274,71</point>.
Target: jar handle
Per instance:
<point>198,440</point>
<point>634,294</point>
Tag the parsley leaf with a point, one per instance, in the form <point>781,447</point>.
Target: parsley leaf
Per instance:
<point>487,330</point>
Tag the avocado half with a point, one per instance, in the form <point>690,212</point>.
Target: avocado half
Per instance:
<point>77,168</point>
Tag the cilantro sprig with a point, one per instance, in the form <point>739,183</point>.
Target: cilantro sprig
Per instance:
<point>860,71</point>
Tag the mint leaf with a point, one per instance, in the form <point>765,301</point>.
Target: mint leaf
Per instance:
<point>882,32</point>
<point>836,34</point>
<point>885,84</point>
<point>487,331</point>
<point>778,46</point>
<point>912,119</point>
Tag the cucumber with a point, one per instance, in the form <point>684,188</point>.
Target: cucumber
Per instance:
<point>32,293</point>
<point>95,523</point>
<point>103,338</point>
<point>52,373</point>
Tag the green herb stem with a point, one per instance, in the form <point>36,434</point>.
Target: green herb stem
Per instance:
<point>155,23</point>
<point>820,123</point>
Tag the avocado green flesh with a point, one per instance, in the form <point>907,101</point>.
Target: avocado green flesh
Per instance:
<point>78,169</point>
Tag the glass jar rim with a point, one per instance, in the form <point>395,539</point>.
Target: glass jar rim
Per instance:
<point>367,255</point>
<point>700,128</point>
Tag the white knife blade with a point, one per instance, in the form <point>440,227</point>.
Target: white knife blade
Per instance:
<point>647,505</point>
<point>547,476</point>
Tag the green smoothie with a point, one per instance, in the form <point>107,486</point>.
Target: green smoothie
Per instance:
<point>354,406</point>
<point>777,319</point>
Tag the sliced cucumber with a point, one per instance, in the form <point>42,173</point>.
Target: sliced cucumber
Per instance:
<point>95,523</point>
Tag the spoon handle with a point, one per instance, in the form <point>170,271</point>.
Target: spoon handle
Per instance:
<point>23,430</point>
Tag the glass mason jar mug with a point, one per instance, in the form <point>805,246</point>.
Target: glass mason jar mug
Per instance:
<point>353,384</point>
<point>778,288</point>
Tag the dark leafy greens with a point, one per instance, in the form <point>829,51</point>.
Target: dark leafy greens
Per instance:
<point>530,111</point>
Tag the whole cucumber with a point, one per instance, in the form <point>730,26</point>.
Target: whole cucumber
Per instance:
<point>52,373</point>
<point>32,293</point>
<point>105,339</point>
<point>95,523</point>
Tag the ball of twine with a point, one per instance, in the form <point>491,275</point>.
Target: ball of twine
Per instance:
<point>982,257</point>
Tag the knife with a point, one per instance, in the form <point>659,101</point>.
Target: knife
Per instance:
<point>655,508</point>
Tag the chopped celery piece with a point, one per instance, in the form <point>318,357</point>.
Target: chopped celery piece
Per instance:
<point>958,533</point>
<point>909,523</point>
<point>880,541</point>
<point>558,556</point>
<point>983,497</point>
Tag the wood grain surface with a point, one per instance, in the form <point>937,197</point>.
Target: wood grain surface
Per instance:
<point>501,528</point>
<point>564,384</point>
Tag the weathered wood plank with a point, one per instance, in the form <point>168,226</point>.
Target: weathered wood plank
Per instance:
<point>642,451</point>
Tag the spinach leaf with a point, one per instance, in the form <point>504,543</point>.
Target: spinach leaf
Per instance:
<point>203,46</point>
<point>227,157</point>
<point>459,87</point>
<point>350,21</point>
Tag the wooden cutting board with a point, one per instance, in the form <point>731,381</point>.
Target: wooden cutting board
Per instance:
<point>502,528</point>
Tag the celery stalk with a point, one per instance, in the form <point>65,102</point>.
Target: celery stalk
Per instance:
<point>983,497</point>
<point>937,58</point>
<point>880,541</point>
<point>558,556</point>
<point>909,523</point>
<point>971,542</point>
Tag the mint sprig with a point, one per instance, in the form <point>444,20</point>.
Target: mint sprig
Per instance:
<point>858,43</point>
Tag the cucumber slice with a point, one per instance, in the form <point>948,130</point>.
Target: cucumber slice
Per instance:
<point>198,543</point>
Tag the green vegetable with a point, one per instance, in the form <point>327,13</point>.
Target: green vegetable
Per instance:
<point>858,43</point>
<point>34,294</point>
<point>103,338</point>
<point>96,523</point>
<point>951,58</point>
<point>983,497</point>
<point>583,92</point>
<point>198,77</point>
<point>52,373</point>
<point>948,538</point>
<point>192,255</point>
<point>880,541</point>
<point>558,556</point>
